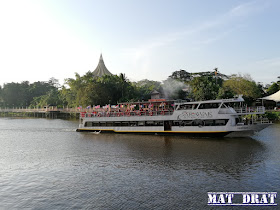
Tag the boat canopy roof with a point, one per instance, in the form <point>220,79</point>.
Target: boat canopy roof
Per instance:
<point>179,101</point>
<point>151,101</point>
<point>230,100</point>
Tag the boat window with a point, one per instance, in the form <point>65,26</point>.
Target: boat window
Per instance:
<point>125,123</point>
<point>158,123</point>
<point>133,123</point>
<point>182,123</point>
<point>95,124</point>
<point>149,123</point>
<point>224,106</point>
<point>187,106</point>
<point>232,104</point>
<point>209,122</point>
<point>117,123</point>
<point>141,123</point>
<point>109,124</point>
<point>176,123</point>
<point>209,105</point>
<point>220,122</point>
<point>103,124</point>
<point>217,122</point>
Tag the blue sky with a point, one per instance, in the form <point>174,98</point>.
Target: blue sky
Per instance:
<point>147,39</point>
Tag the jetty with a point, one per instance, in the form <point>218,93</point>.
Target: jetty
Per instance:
<point>50,112</point>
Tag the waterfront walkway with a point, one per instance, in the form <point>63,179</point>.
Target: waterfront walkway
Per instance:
<point>51,112</point>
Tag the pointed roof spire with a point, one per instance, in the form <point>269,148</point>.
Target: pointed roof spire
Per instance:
<point>101,68</point>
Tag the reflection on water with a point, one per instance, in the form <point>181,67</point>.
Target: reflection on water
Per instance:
<point>224,155</point>
<point>46,164</point>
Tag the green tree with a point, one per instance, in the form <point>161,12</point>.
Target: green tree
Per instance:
<point>40,88</point>
<point>21,94</point>
<point>225,92</point>
<point>16,94</point>
<point>78,93</point>
<point>143,89</point>
<point>242,85</point>
<point>52,97</point>
<point>181,75</point>
<point>205,87</point>
<point>273,88</point>
<point>111,88</point>
<point>88,90</point>
<point>1,97</point>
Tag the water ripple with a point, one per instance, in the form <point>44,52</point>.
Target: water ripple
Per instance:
<point>45,164</point>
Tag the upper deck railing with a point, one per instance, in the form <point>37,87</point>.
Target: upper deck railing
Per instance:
<point>250,110</point>
<point>126,114</point>
<point>104,113</point>
<point>243,110</point>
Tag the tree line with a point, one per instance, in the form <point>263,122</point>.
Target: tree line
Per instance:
<point>87,90</point>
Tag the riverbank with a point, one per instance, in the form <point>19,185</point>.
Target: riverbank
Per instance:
<point>273,116</point>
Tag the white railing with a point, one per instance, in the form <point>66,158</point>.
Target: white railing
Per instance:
<point>250,110</point>
<point>126,114</point>
<point>265,121</point>
<point>254,121</point>
<point>72,110</point>
<point>91,112</point>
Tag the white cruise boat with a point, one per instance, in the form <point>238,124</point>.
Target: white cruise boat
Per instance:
<point>225,117</point>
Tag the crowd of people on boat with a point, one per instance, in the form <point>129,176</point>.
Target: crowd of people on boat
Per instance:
<point>128,110</point>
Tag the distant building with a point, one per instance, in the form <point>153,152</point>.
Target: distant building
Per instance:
<point>155,95</point>
<point>101,69</point>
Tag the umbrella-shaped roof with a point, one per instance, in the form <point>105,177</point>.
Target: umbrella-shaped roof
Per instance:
<point>101,69</point>
<point>274,97</point>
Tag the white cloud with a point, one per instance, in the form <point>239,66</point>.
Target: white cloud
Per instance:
<point>244,9</point>
<point>194,37</point>
<point>264,70</point>
<point>248,8</point>
<point>271,62</point>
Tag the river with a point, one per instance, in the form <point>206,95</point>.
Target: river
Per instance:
<point>45,164</point>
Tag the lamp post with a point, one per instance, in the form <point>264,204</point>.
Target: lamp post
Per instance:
<point>216,73</point>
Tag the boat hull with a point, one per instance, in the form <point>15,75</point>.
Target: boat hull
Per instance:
<point>219,131</point>
<point>143,132</point>
<point>249,131</point>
